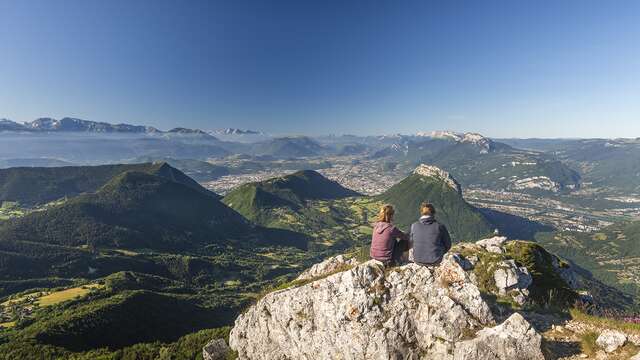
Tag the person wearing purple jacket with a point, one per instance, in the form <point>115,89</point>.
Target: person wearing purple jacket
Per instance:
<point>388,243</point>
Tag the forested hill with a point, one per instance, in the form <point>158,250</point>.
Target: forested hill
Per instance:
<point>31,186</point>
<point>134,210</point>
<point>252,199</point>
<point>464,221</point>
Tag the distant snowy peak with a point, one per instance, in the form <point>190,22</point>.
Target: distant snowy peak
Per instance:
<point>438,174</point>
<point>69,124</point>
<point>79,125</point>
<point>234,131</point>
<point>485,144</point>
<point>441,135</point>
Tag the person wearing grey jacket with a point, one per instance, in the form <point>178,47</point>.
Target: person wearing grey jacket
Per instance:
<point>430,240</point>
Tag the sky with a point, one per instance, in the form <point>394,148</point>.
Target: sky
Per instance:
<point>501,68</point>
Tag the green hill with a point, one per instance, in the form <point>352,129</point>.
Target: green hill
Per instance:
<point>251,200</point>
<point>134,210</point>
<point>38,185</point>
<point>611,254</point>
<point>464,222</point>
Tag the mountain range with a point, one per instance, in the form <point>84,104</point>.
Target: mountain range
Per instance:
<point>534,166</point>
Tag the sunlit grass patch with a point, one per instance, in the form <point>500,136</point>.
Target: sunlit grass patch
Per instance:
<point>7,325</point>
<point>68,294</point>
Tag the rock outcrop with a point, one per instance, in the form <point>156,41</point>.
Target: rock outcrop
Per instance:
<point>373,312</point>
<point>494,244</point>
<point>343,309</point>
<point>216,349</point>
<point>611,340</point>
<point>436,172</point>
<point>328,266</point>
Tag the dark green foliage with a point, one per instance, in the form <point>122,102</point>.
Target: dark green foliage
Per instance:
<point>122,320</point>
<point>130,280</point>
<point>464,222</point>
<point>134,210</point>
<point>32,185</point>
<point>548,287</point>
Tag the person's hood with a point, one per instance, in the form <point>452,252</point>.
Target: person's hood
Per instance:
<point>380,227</point>
<point>427,220</point>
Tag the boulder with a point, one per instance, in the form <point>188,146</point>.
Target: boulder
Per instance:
<point>508,276</point>
<point>611,340</point>
<point>369,312</point>
<point>494,244</point>
<point>514,339</point>
<point>216,349</point>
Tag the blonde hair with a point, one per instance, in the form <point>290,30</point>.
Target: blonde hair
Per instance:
<point>427,209</point>
<point>386,213</point>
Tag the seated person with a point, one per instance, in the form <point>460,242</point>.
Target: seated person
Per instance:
<point>429,239</point>
<point>388,243</point>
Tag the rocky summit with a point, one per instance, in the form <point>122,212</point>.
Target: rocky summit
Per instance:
<point>367,311</point>
<point>436,172</point>
<point>479,303</point>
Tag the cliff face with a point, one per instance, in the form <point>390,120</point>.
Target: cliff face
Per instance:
<point>408,312</point>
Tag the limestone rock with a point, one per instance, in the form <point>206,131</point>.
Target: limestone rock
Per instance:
<point>216,349</point>
<point>514,339</point>
<point>611,340</point>
<point>369,312</point>
<point>328,266</point>
<point>494,244</point>
<point>566,273</point>
<point>436,172</point>
<point>513,280</point>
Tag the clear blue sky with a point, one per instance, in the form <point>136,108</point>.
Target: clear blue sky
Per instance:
<point>509,68</point>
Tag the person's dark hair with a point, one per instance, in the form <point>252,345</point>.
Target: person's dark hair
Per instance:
<point>427,209</point>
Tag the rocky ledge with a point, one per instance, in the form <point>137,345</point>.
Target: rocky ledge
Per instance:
<point>472,306</point>
<point>367,311</point>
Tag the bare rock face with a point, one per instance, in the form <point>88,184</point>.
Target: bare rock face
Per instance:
<point>216,349</point>
<point>436,172</point>
<point>369,312</point>
<point>328,266</point>
<point>494,244</point>
<point>611,340</point>
<point>513,339</point>
<point>513,280</point>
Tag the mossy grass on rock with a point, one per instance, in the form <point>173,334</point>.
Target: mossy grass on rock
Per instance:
<point>553,281</point>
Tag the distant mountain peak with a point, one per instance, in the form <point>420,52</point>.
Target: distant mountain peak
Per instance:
<point>234,131</point>
<point>484,143</point>
<point>79,125</point>
<point>437,173</point>
<point>439,134</point>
